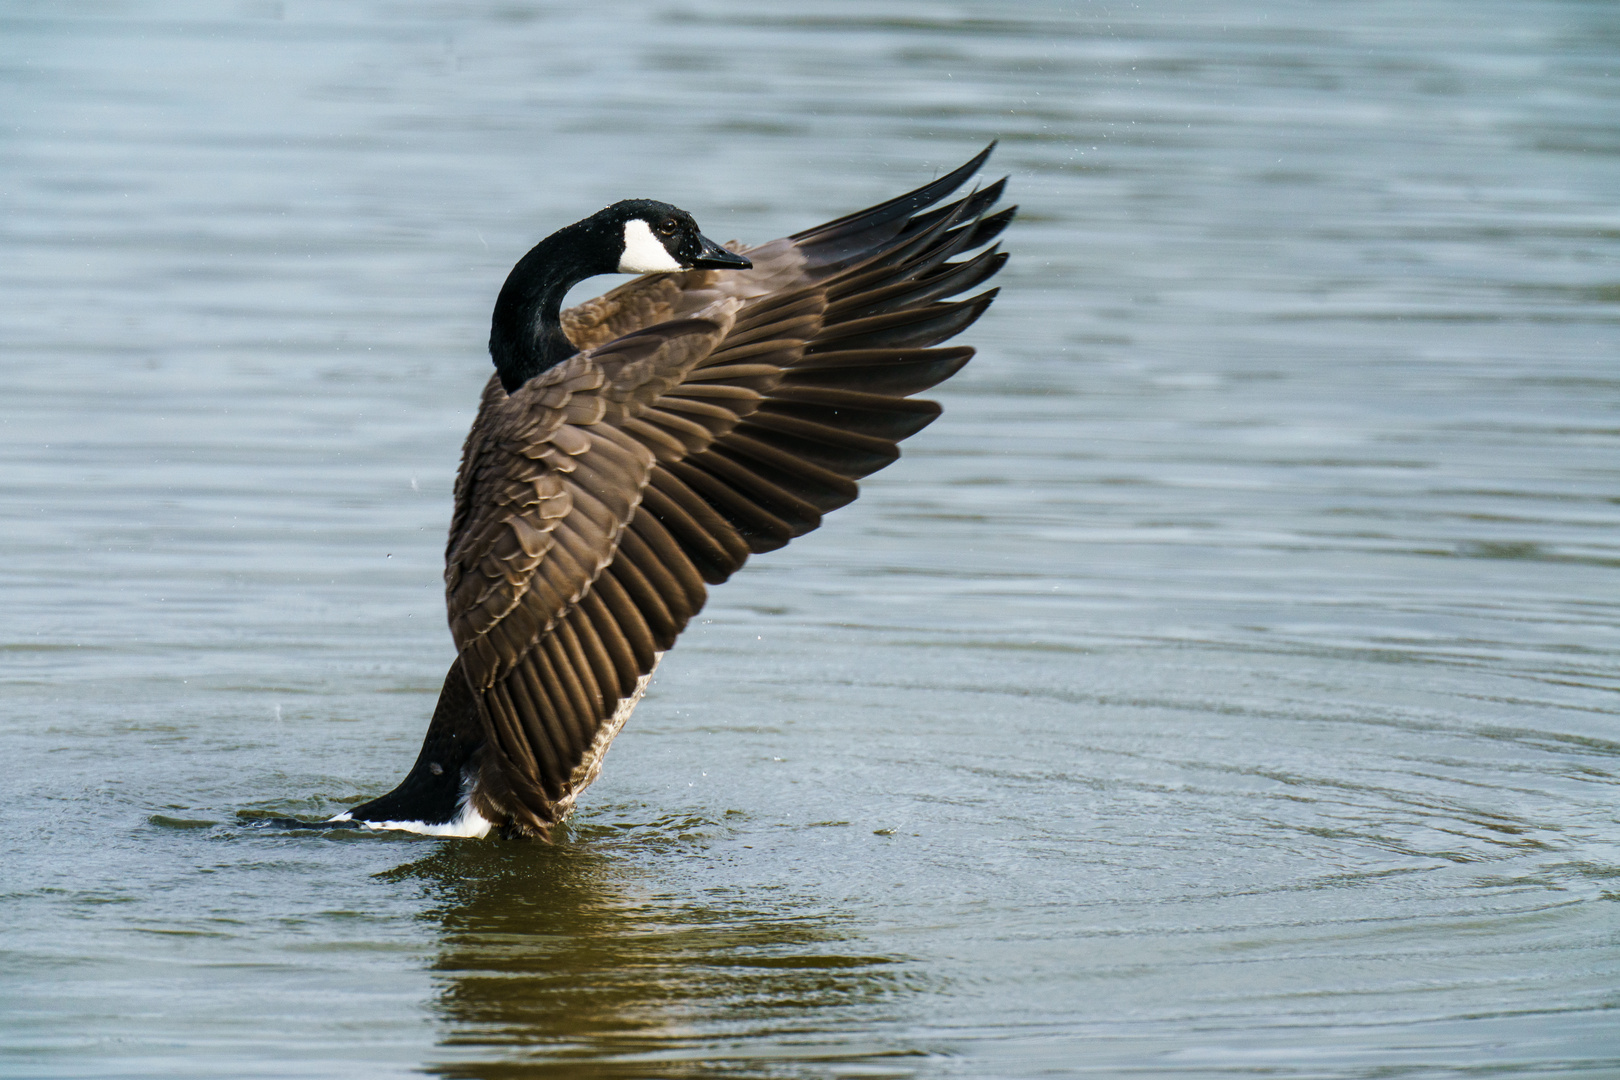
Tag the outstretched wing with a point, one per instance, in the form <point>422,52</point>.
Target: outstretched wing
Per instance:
<point>789,263</point>
<point>596,503</point>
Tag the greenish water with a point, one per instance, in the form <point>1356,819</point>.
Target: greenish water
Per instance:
<point>1225,686</point>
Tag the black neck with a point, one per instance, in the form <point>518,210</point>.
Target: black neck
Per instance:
<point>525,334</point>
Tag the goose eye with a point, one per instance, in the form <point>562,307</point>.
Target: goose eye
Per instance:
<point>667,227</point>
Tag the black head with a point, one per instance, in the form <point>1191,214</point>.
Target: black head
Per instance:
<point>656,237</point>
<point>637,236</point>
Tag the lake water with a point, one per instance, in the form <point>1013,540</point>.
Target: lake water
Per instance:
<point>1227,685</point>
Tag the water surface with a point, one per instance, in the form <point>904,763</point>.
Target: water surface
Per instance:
<point>1225,686</point>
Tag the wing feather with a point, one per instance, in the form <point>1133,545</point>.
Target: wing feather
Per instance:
<point>703,545</point>
<point>710,416</point>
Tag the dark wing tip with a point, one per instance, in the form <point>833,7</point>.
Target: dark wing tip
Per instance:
<point>901,205</point>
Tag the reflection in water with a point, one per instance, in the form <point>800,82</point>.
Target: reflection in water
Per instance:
<point>569,960</point>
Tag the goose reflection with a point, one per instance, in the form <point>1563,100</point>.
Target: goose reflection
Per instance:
<point>584,960</point>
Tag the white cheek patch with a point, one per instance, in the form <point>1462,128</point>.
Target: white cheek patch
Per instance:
<point>643,254</point>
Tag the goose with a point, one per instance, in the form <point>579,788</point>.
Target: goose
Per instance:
<point>634,450</point>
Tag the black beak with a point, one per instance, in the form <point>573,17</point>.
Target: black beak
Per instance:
<point>711,256</point>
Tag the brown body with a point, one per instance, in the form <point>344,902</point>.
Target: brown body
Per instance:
<point>708,416</point>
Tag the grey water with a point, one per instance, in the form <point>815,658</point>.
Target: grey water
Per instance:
<point>1228,684</point>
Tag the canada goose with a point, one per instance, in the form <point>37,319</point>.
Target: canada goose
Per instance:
<point>634,449</point>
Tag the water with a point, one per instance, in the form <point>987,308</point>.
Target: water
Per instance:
<point>1225,686</point>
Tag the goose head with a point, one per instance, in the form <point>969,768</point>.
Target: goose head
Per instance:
<point>636,236</point>
<point>655,237</point>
